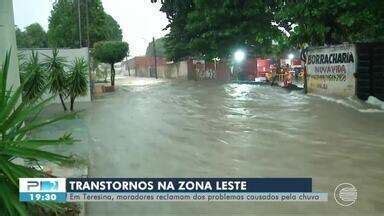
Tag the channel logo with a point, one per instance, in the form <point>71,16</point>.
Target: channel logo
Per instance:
<point>42,185</point>
<point>345,194</point>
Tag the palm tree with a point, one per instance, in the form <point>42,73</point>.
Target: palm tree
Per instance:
<point>57,76</point>
<point>35,77</point>
<point>15,126</point>
<point>77,80</point>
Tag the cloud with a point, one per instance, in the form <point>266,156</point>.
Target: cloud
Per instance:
<point>140,20</point>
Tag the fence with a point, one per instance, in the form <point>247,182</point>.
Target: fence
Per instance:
<point>370,70</point>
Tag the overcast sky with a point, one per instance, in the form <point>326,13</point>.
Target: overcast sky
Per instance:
<point>140,20</point>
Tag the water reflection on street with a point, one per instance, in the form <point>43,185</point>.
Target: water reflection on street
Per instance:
<point>210,129</point>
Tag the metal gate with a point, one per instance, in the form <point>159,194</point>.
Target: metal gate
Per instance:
<point>370,70</point>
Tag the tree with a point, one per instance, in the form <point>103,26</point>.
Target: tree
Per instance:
<point>217,28</point>
<point>111,52</point>
<point>21,39</point>
<point>160,49</point>
<point>34,36</point>
<point>77,80</point>
<point>64,25</point>
<point>177,41</point>
<point>214,28</point>
<point>57,76</point>
<point>112,29</point>
<point>101,25</point>
<point>322,22</point>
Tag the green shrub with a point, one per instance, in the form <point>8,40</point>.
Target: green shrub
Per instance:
<point>77,80</point>
<point>57,76</point>
<point>34,76</point>
<point>15,143</point>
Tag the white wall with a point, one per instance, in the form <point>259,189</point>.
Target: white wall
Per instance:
<point>70,55</point>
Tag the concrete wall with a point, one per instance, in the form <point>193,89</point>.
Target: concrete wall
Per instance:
<point>8,41</point>
<point>161,71</point>
<point>184,70</point>
<point>223,71</point>
<point>331,70</point>
<point>142,72</point>
<point>178,70</point>
<point>70,55</point>
<point>141,65</point>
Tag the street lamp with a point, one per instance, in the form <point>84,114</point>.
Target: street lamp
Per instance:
<point>239,56</point>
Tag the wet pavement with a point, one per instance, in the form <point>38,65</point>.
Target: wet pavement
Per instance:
<point>154,128</point>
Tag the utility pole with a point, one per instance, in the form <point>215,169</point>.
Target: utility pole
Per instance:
<point>87,22</point>
<point>79,16</point>
<point>303,57</point>
<point>154,53</point>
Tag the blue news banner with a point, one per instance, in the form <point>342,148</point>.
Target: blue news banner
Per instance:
<point>168,189</point>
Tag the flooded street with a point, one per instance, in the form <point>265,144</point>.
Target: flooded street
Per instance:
<point>211,129</point>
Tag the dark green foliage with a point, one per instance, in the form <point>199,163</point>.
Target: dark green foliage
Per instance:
<point>232,25</point>
<point>64,27</point>
<point>57,76</point>
<point>112,30</point>
<point>34,77</point>
<point>77,80</point>
<point>177,41</point>
<point>15,143</point>
<point>214,28</point>
<point>34,36</point>
<point>321,22</point>
<point>110,52</point>
<point>21,38</point>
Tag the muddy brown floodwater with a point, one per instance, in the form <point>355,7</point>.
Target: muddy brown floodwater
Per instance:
<point>210,129</point>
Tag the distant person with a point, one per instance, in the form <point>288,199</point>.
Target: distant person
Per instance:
<point>287,78</point>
